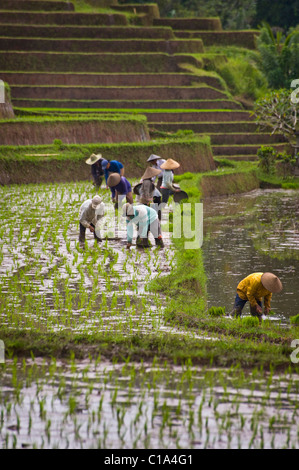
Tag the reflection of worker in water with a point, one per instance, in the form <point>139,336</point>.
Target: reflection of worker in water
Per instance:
<point>112,166</point>
<point>90,214</point>
<point>253,288</point>
<point>97,172</point>
<point>146,220</point>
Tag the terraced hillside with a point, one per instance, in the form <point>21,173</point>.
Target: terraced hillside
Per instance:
<point>57,60</point>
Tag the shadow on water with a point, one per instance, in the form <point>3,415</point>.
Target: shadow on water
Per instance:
<point>252,232</point>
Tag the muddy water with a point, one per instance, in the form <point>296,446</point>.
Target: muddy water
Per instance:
<point>253,232</point>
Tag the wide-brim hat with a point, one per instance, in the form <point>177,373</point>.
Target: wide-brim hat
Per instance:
<point>113,179</point>
<point>136,189</point>
<point>96,201</point>
<point>271,282</point>
<point>153,157</point>
<point>179,196</point>
<point>170,164</point>
<point>93,158</point>
<point>150,173</point>
<point>127,209</point>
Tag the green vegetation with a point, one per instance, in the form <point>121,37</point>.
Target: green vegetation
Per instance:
<point>279,57</point>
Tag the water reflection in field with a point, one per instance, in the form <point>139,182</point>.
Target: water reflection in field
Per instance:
<point>253,232</point>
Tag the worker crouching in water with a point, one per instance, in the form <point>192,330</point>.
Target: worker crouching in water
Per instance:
<point>90,213</point>
<point>253,288</point>
<point>146,220</point>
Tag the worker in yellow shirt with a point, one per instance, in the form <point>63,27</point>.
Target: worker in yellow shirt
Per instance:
<point>253,288</point>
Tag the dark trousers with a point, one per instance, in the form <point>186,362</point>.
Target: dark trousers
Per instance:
<point>82,233</point>
<point>239,305</point>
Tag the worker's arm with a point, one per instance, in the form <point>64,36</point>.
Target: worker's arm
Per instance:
<point>267,303</point>
<point>122,171</point>
<point>252,293</point>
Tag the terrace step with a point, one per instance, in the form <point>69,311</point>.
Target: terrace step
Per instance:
<point>193,24</point>
<point>94,62</point>
<point>238,158</point>
<point>209,127</point>
<point>106,79</point>
<point>245,149</point>
<point>119,105</point>
<point>222,38</point>
<point>77,130</point>
<point>36,5</point>
<point>102,45</point>
<point>62,18</point>
<point>199,116</point>
<point>246,139</point>
<point>116,93</point>
<point>85,32</point>
<point>150,9</point>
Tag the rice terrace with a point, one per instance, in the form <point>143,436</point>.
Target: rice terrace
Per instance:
<point>149,185</point>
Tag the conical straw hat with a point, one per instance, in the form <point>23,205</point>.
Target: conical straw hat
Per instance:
<point>150,173</point>
<point>271,282</point>
<point>170,164</point>
<point>113,179</point>
<point>153,157</point>
<point>93,159</point>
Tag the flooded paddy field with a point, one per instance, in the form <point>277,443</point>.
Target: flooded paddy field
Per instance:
<point>93,404</point>
<point>49,284</point>
<point>253,232</point>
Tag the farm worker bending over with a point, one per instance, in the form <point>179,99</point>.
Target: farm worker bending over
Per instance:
<point>146,220</point>
<point>112,166</point>
<point>149,194</point>
<point>121,187</point>
<point>90,213</point>
<point>167,188</point>
<point>97,172</point>
<point>252,289</point>
<point>156,162</point>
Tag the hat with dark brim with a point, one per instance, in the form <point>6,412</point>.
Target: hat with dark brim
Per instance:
<point>179,196</point>
<point>136,189</point>
<point>150,173</point>
<point>153,157</point>
<point>113,179</point>
<point>170,164</point>
<point>271,282</point>
<point>93,159</point>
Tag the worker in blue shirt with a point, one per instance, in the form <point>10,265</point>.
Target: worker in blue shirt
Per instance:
<point>112,166</point>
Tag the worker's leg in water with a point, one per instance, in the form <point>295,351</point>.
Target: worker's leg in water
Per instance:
<point>96,237</point>
<point>238,306</point>
<point>155,228</point>
<point>82,233</point>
